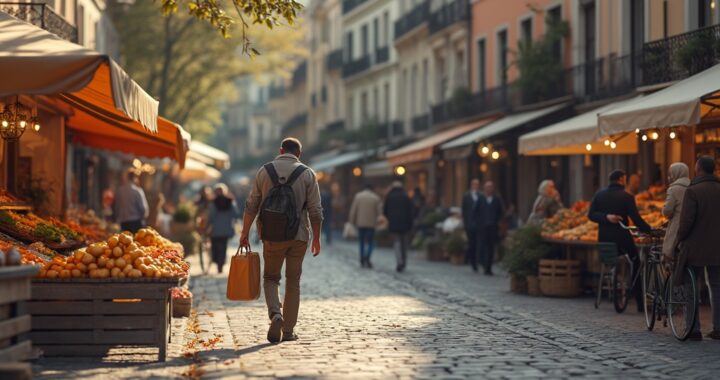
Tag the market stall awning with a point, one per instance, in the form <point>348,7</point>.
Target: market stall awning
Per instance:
<point>422,150</point>
<point>209,155</point>
<point>330,163</point>
<point>684,103</point>
<point>197,171</point>
<point>571,136</point>
<point>499,126</point>
<point>377,169</point>
<point>36,62</point>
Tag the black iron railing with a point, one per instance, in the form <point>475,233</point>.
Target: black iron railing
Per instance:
<point>603,78</point>
<point>382,55</point>
<point>411,20</point>
<point>349,5</point>
<point>300,74</point>
<point>421,123</point>
<point>335,127</point>
<point>40,14</point>
<point>335,60</point>
<point>389,129</point>
<point>356,67</point>
<point>466,105</point>
<point>449,14</point>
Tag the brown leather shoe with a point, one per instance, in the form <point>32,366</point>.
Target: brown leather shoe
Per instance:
<point>273,335</point>
<point>289,337</point>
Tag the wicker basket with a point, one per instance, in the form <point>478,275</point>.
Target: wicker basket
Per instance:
<point>181,307</point>
<point>560,278</point>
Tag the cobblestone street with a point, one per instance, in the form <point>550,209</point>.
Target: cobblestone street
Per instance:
<point>436,320</point>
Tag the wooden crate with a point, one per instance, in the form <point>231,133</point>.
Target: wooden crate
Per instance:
<point>14,289</point>
<point>87,317</point>
<point>560,278</point>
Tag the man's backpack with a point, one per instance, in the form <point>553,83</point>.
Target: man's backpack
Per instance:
<point>278,213</point>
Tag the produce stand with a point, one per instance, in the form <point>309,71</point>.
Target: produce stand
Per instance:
<point>87,317</point>
<point>15,284</point>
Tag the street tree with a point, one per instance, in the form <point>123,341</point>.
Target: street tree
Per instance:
<point>191,74</point>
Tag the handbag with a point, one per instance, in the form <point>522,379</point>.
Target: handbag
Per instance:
<point>349,231</point>
<point>244,277</point>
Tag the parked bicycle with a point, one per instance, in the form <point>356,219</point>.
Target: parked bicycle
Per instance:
<point>616,276</point>
<point>661,294</point>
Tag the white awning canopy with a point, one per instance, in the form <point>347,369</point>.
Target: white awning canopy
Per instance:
<point>329,164</point>
<point>497,127</point>
<point>571,136</point>
<point>209,155</point>
<point>377,169</point>
<point>684,103</point>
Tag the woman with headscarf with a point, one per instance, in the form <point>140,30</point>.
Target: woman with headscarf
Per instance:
<point>546,204</point>
<point>222,214</point>
<point>679,178</point>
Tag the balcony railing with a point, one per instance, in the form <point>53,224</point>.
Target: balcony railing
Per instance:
<point>411,20</point>
<point>298,120</point>
<point>335,60</point>
<point>356,67</point>
<point>421,123</point>
<point>464,106</point>
<point>300,74</point>
<point>41,15</point>
<point>349,5</point>
<point>335,127</point>
<point>389,129</point>
<point>449,14</point>
<point>382,55</point>
<point>678,57</point>
<point>603,78</point>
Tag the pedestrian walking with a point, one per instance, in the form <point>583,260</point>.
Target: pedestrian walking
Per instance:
<point>679,178</point>
<point>609,207</point>
<point>286,200</point>
<point>365,213</point>
<point>698,236</point>
<point>399,211</point>
<point>130,206</point>
<point>546,204</point>
<point>326,200</point>
<point>489,212</point>
<point>222,215</point>
<point>469,204</point>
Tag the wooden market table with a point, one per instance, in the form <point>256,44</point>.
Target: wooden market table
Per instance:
<point>14,290</point>
<point>87,317</point>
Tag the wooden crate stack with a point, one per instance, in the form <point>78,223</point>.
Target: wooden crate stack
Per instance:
<point>14,324</point>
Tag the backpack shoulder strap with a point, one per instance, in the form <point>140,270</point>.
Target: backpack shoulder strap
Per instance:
<point>295,174</point>
<point>272,173</point>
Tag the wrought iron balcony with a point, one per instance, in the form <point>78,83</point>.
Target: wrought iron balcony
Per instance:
<point>43,16</point>
<point>335,127</point>
<point>411,20</point>
<point>421,123</point>
<point>466,105</point>
<point>389,130</point>
<point>382,55</point>
<point>335,60</point>
<point>449,14</point>
<point>604,78</point>
<point>356,67</point>
<point>349,5</point>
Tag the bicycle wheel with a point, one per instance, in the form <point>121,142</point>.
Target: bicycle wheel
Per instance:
<point>682,304</point>
<point>621,284</point>
<point>650,290</point>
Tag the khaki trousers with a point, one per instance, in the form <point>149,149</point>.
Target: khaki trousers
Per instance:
<point>275,254</point>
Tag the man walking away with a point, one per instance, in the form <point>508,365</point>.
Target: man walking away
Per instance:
<point>326,203</point>
<point>469,203</point>
<point>286,196</point>
<point>698,236</point>
<point>365,211</point>
<point>490,211</point>
<point>609,207</point>
<point>399,212</point>
<point>130,206</point>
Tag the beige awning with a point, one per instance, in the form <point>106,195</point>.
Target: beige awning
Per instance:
<point>684,103</point>
<point>36,62</point>
<point>197,171</point>
<point>571,136</point>
<point>209,155</point>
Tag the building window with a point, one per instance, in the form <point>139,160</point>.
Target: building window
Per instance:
<point>376,103</point>
<point>502,53</point>
<point>406,91</point>
<point>365,40</point>
<point>442,79</point>
<point>482,65</point>
<point>413,90</point>
<point>387,102</point>
<point>706,12</point>
<point>526,34</point>
<point>364,108</point>
<point>554,17</point>
<point>460,68</point>
<point>350,112</point>
<point>348,47</point>
<point>376,34</point>
<point>386,29</point>
<point>425,90</point>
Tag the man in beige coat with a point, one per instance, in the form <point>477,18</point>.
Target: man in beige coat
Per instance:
<point>365,213</point>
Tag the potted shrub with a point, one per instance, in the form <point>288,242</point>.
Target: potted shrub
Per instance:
<point>455,246</point>
<point>182,228</point>
<point>524,249</point>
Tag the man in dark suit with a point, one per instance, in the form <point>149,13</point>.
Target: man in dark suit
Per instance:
<point>469,202</point>
<point>489,212</point>
<point>613,205</point>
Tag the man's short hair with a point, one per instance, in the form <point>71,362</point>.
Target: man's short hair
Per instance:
<point>616,175</point>
<point>131,175</point>
<point>291,145</point>
<point>706,164</point>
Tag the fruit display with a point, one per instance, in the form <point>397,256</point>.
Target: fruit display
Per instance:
<point>120,256</point>
<point>8,199</point>
<point>180,293</point>
<point>27,255</point>
<point>89,225</point>
<point>30,228</point>
<point>148,237</point>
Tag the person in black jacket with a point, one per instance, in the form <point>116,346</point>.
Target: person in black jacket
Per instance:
<point>399,211</point>
<point>613,205</point>
<point>489,211</point>
<point>469,202</point>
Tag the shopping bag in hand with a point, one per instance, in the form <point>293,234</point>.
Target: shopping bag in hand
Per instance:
<point>244,278</point>
<point>349,232</point>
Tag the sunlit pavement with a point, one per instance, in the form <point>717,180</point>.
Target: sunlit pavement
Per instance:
<point>435,320</point>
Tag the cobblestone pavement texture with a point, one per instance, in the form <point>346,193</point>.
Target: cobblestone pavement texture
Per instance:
<point>435,320</point>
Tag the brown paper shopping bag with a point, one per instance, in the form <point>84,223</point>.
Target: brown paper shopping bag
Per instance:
<point>244,278</point>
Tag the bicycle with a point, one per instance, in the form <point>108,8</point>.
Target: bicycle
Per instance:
<point>661,295</point>
<point>619,276</point>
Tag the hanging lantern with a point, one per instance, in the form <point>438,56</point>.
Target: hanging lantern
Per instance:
<point>15,118</point>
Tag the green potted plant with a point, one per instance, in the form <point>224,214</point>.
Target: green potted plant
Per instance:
<point>182,228</point>
<point>698,54</point>
<point>524,249</point>
<point>456,246</point>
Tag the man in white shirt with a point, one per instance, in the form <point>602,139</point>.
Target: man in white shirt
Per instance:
<point>130,206</point>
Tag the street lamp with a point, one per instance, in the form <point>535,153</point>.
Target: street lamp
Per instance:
<point>16,118</point>
<point>400,171</point>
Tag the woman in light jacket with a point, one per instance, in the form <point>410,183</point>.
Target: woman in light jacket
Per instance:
<point>546,204</point>
<point>679,178</point>
<point>222,214</point>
